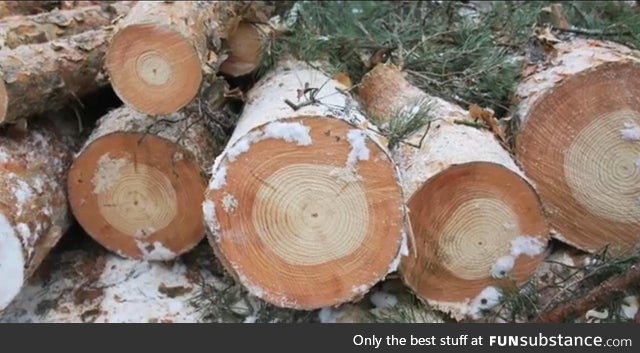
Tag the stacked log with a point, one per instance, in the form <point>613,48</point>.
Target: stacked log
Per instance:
<point>44,27</point>
<point>246,46</point>
<point>304,205</point>
<point>476,221</point>
<point>33,204</point>
<point>161,52</point>
<point>48,76</point>
<point>578,139</point>
<point>134,184</point>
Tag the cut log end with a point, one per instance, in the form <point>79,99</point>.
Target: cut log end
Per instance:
<point>153,69</point>
<point>474,225</point>
<point>134,200</point>
<point>245,50</point>
<point>582,149</point>
<point>307,212</point>
<point>11,263</point>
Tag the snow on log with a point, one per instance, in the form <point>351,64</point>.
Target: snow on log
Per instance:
<point>475,218</point>
<point>47,76</point>
<point>33,203</point>
<point>40,28</point>
<point>304,205</point>
<point>246,44</point>
<point>161,51</point>
<point>136,185</point>
<point>81,286</point>
<point>579,140</point>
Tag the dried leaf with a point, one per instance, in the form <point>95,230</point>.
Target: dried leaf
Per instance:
<point>344,79</point>
<point>487,116</point>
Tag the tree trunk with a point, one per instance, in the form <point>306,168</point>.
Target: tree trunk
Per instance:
<point>161,52</point>
<point>89,286</point>
<point>578,139</point>
<point>470,207</point>
<point>33,204</point>
<point>135,182</point>
<point>246,44</point>
<point>12,8</point>
<point>47,76</point>
<point>304,204</point>
<point>22,30</point>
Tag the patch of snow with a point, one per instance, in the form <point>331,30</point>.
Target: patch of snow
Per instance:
<point>629,307</point>
<point>22,192</point>
<point>11,263</point>
<point>290,132</point>
<point>361,289</point>
<point>24,232</point>
<point>107,173</point>
<point>383,300</point>
<point>209,211</point>
<point>631,132</point>
<point>243,144</point>
<point>327,316</point>
<point>250,320</point>
<point>527,245</point>
<point>502,266</point>
<point>155,251</point>
<point>359,151</point>
<point>219,178</point>
<point>229,203</point>
<point>404,251</point>
<point>487,299</point>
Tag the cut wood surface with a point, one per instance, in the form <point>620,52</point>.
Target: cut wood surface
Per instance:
<point>48,76</point>
<point>161,51</point>
<point>40,28</point>
<point>246,45</point>
<point>304,205</point>
<point>136,183</point>
<point>33,203</point>
<point>579,140</point>
<point>476,221</point>
<point>85,286</point>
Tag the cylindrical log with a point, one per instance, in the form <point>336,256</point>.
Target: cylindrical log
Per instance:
<point>40,28</point>
<point>246,45</point>
<point>475,219</point>
<point>305,205</point>
<point>578,139</point>
<point>134,184</point>
<point>91,286</point>
<point>47,76</point>
<point>161,51</point>
<point>33,203</point>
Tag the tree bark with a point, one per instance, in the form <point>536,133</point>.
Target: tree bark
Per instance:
<point>40,28</point>
<point>161,51</point>
<point>134,184</point>
<point>33,204</point>
<point>11,8</point>
<point>578,139</point>
<point>47,76</point>
<point>304,205</point>
<point>469,202</point>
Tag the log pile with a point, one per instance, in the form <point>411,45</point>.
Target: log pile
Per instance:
<point>310,202</point>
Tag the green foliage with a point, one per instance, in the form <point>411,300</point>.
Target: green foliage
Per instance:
<point>405,122</point>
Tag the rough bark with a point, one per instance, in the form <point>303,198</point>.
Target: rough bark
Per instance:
<point>304,204</point>
<point>47,76</point>
<point>578,139</point>
<point>468,200</point>
<point>11,8</point>
<point>162,51</point>
<point>33,204</point>
<point>133,185</point>
<point>40,28</point>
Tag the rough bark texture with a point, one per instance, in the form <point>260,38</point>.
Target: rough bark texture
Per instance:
<point>467,198</point>
<point>162,51</point>
<point>10,8</point>
<point>133,185</point>
<point>93,286</point>
<point>40,28</point>
<point>33,204</point>
<point>40,77</point>
<point>578,138</point>
<point>325,140</point>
